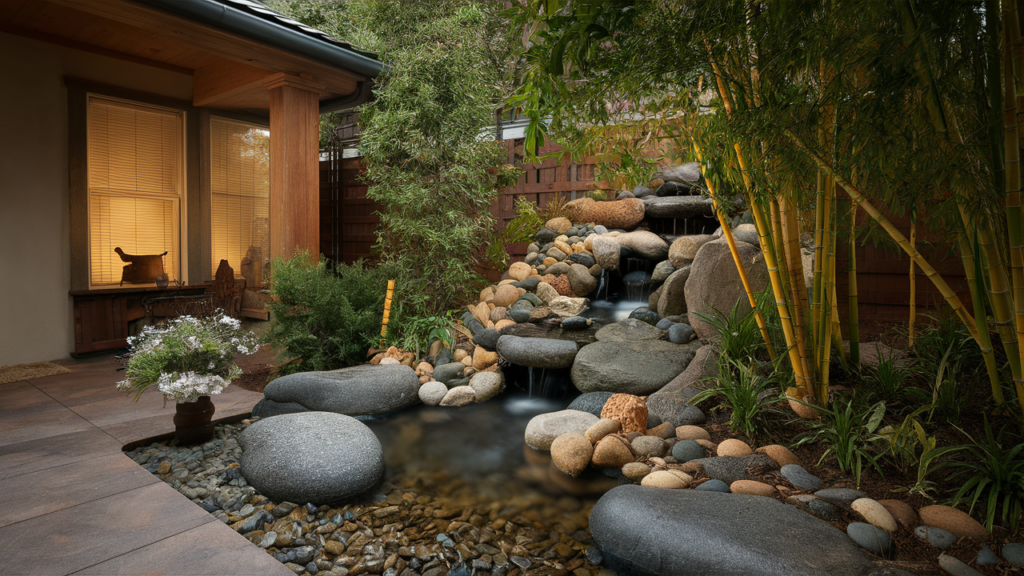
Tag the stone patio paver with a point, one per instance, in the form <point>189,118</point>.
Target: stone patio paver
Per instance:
<point>71,501</point>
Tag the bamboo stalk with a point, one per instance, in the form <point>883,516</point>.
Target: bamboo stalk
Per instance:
<point>947,293</point>
<point>851,274</point>
<point>798,298</point>
<point>972,269</point>
<point>1011,27</point>
<point>913,281</point>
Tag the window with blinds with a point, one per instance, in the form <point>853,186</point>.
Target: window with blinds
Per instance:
<point>135,180</point>
<point>240,196</point>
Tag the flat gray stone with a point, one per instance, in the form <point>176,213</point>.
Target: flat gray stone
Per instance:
<point>649,531</point>
<point>638,368</point>
<point>935,536</point>
<point>714,486</point>
<point>629,330</point>
<point>365,390</point>
<point>843,496</point>
<point>544,428</point>
<point>593,402</point>
<point>677,206</point>
<point>871,538</point>
<point>445,373</point>
<point>956,567</point>
<point>986,556</point>
<point>317,457</point>
<point>729,469</point>
<point>801,478</point>
<point>537,352</point>
<point>1014,553</point>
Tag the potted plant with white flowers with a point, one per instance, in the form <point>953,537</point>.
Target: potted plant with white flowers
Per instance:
<point>188,359</point>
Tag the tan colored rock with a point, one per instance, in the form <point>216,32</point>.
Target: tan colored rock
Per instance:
<point>780,454</point>
<point>664,430</point>
<point>558,225</point>
<point>668,479</point>
<point>684,249</point>
<point>653,184</point>
<point>571,453</point>
<point>546,293</point>
<point>519,271</point>
<point>565,248</point>
<point>625,214</point>
<point>636,470</point>
<point>540,313</point>
<point>902,512</point>
<point>459,354</point>
<point>874,513</point>
<point>486,293</point>
<point>521,291</point>
<point>504,324</point>
<point>505,282</point>
<point>467,361</point>
<point>734,447</point>
<point>628,410</point>
<point>801,408</point>
<point>689,432</point>
<point>424,368</point>
<point>481,312</point>
<point>389,361</point>
<point>613,451</point>
<point>424,379</point>
<point>483,358</point>
<point>498,313</point>
<point>565,306</point>
<point>956,522</point>
<point>505,296</point>
<point>691,468</point>
<point>579,248</point>
<point>601,429</point>
<point>752,487</point>
<point>588,242</point>
<point>707,445</point>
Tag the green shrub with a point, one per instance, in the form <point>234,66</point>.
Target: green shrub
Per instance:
<point>324,316</point>
<point>747,392</point>
<point>738,334</point>
<point>996,478</point>
<point>886,381</point>
<point>849,431</point>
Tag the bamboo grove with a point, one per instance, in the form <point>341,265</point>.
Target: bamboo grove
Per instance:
<point>824,119</point>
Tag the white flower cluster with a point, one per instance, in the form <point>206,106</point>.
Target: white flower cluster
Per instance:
<point>189,386</point>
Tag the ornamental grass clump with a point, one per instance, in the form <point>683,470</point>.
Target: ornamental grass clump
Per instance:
<point>187,357</point>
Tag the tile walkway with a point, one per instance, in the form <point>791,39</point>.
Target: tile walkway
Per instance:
<point>72,503</point>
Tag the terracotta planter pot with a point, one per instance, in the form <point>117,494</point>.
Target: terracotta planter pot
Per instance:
<point>192,421</point>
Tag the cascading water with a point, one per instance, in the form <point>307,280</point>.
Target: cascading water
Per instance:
<point>621,291</point>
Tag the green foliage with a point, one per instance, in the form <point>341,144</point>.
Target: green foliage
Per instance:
<point>738,333</point>
<point>418,332</point>
<point>849,430</point>
<point>520,229</point>
<point>427,163</point>
<point>187,357</point>
<point>995,478</point>
<point>748,393</point>
<point>910,447</point>
<point>887,381</point>
<point>327,317</point>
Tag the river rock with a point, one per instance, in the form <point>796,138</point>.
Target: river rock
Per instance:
<point>780,454</point>
<point>987,557</point>
<point>678,206</point>
<point>606,251</point>
<point>317,457</point>
<point>746,233</point>
<point>520,311</point>
<point>571,453</point>
<point>612,451</point>
<point>713,486</point>
<point>445,373</point>
<point>652,300</point>
<point>714,284</point>
<point>667,479</point>
<point>645,314</point>
<point>544,236</point>
<point>734,447</point>
<point>459,396</point>
<point>505,296</point>
<point>432,393</point>
<point>671,402</point>
<point>636,470</point>
<point>565,306</point>
<point>901,511</point>
<point>729,469</point>
<point>681,333</point>
<point>365,390</point>
<point>935,536</point>
<point>558,268</point>
<point>546,292</point>
<point>686,173</point>
<point>592,402</point>
<point>955,567</point>
<point>1014,553</point>
<point>576,323</point>
<point>558,225</point>
<point>648,531</point>
<point>687,450</point>
<point>684,249</point>
<point>752,487</point>
<point>580,279</point>
<point>628,330</point>
<point>602,428</point>
<point>644,244</point>
<point>624,214</point>
<point>628,410</point>
<point>487,339</point>
<point>519,271</point>
<point>537,352</point>
<point>843,496</point>
<point>870,538</point>
<point>958,522</point>
<point>646,446</point>
<point>672,299</point>
<point>871,510</point>
<point>662,271</point>
<point>632,367</point>
<point>687,432</point>
<point>804,480</point>
<point>670,188</point>
<point>487,385</point>
<point>544,428</point>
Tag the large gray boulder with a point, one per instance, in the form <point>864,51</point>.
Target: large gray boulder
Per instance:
<point>537,352</point>
<point>317,457</point>
<point>645,531</point>
<point>672,402</point>
<point>643,244</point>
<point>714,284</point>
<point>672,300</point>
<point>678,206</point>
<point>637,368</point>
<point>365,390</point>
<point>686,173</point>
<point>629,330</point>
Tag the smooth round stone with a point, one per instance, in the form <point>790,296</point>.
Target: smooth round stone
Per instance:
<point>752,487</point>
<point>956,567</point>
<point>871,538</point>
<point>636,470</point>
<point>645,315</point>
<point>874,513</point>
<point>649,446</point>
<point>445,373</point>
<point>571,453</point>
<point>957,522</point>
<point>592,402</point>
<point>487,385</point>
<point>537,352</point>
<point>669,479</point>
<point>687,450</point>
<point>734,447</point>
<point>780,454</point>
<point>844,496</point>
<point>681,333</point>
<point>935,536</point>
<point>801,478</point>
<point>1014,553</point>
<point>459,396</point>
<point>544,428</point>
<point>901,511</point>
<point>575,323</point>
<point>664,324</point>
<point>432,393</point>
<point>986,556</point>
<point>601,429</point>
<point>688,432</point>
<point>714,486</point>
<point>821,509</point>
<point>532,299</point>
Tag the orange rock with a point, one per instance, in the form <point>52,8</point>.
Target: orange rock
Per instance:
<point>459,354</point>
<point>424,379</point>
<point>956,522</point>
<point>560,283</point>
<point>752,487</point>
<point>612,451</point>
<point>628,410</point>
<point>780,454</point>
<point>663,430</point>
<point>505,296</point>
<point>467,361</point>
<point>601,429</point>
<point>734,447</point>
<point>486,293</point>
<point>902,512</point>
<point>519,271</point>
<point>376,359</point>
<point>571,453</point>
<point>504,323</point>
<point>707,445</point>
<point>483,358</point>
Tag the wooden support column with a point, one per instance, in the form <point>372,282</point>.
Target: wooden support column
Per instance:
<point>294,165</point>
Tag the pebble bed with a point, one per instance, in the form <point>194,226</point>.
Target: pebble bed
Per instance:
<point>428,523</point>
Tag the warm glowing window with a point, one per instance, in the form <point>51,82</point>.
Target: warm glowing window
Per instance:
<point>240,186</point>
<point>135,182</point>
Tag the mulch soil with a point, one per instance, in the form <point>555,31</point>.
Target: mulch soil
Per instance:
<point>257,370</point>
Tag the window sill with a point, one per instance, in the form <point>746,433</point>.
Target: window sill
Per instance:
<point>135,288</point>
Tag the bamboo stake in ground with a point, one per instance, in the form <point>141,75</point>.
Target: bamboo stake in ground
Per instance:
<point>387,311</point>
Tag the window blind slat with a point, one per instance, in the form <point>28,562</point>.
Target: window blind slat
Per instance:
<point>240,187</point>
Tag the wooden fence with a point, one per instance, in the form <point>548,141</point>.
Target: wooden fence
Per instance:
<point>348,223</point>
